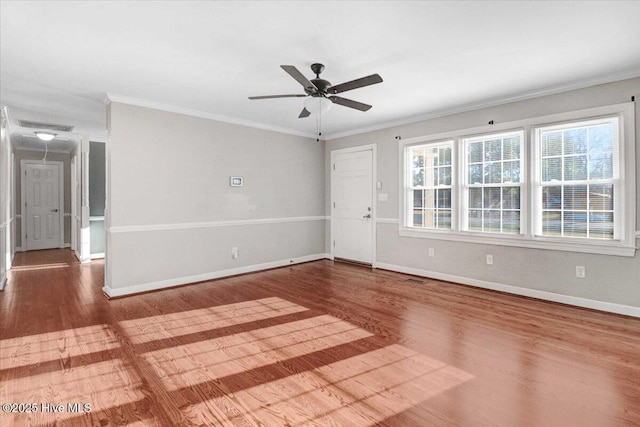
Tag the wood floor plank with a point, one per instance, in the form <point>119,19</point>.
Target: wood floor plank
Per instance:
<point>320,343</point>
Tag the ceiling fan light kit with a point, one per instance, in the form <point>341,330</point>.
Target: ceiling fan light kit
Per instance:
<point>320,94</point>
<point>45,136</point>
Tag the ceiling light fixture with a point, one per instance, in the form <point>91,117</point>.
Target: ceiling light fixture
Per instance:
<point>45,136</point>
<point>317,104</point>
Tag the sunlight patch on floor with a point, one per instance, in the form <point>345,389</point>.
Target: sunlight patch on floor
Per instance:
<point>185,365</point>
<point>32,350</point>
<point>361,390</point>
<point>188,322</point>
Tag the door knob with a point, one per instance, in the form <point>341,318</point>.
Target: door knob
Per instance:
<point>367,216</point>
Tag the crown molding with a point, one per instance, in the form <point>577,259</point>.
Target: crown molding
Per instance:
<point>609,78</point>
<point>110,97</point>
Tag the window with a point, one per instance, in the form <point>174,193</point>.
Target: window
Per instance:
<point>493,183</point>
<point>429,185</point>
<point>579,177</point>
<point>563,181</point>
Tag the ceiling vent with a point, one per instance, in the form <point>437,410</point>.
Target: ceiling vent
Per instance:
<point>48,126</point>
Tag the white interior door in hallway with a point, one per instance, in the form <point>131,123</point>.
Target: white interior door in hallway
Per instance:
<point>42,205</point>
<point>352,213</point>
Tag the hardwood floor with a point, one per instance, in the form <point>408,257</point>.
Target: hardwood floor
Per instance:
<point>320,343</point>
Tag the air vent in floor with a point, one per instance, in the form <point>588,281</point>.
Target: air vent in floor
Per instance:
<point>422,282</point>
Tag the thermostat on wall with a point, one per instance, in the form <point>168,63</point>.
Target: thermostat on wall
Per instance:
<point>236,181</point>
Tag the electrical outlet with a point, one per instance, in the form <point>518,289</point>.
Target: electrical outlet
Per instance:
<point>234,252</point>
<point>489,259</point>
<point>581,271</point>
<point>432,252</point>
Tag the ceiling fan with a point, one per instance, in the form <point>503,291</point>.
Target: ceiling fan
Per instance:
<point>320,93</point>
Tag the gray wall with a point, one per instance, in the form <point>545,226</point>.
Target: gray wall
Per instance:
<point>5,200</point>
<point>65,158</point>
<point>611,279</point>
<point>97,195</point>
<point>96,178</point>
<point>171,171</point>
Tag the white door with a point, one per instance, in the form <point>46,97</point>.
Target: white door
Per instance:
<point>42,192</point>
<point>352,205</point>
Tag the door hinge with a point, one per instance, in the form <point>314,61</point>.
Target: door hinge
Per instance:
<point>334,205</point>
<point>334,243</point>
<point>334,166</point>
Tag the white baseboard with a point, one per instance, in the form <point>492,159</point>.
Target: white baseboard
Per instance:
<point>162,284</point>
<point>627,310</point>
<point>66,245</point>
<point>97,256</point>
<point>3,281</point>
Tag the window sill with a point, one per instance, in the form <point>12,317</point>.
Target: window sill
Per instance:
<point>601,248</point>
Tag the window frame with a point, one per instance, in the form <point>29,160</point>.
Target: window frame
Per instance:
<point>409,187</point>
<point>465,186</point>
<point>529,205</point>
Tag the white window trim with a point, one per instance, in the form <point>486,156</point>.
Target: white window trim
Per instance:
<point>407,181</point>
<point>625,246</point>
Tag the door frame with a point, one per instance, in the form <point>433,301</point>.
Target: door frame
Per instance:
<point>374,208</point>
<point>23,199</point>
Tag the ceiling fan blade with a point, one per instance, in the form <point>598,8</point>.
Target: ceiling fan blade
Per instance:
<point>277,96</point>
<point>304,113</point>
<point>300,78</point>
<point>350,103</point>
<point>355,84</point>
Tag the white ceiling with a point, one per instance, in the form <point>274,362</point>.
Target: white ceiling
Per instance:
<point>59,59</point>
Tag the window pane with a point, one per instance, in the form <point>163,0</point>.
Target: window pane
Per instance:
<point>552,197</point>
<point>417,198</point>
<point>492,150</point>
<point>601,138</point>
<point>475,220</point>
<point>475,198</point>
<point>475,174</point>
<point>429,218</point>
<point>552,223</point>
<point>431,157</point>
<point>575,141</point>
<point>431,177</point>
<point>511,171</point>
<point>417,159</point>
<point>429,198</point>
<point>551,143</point>
<point>475,152</point>
<point>601,197</point>
<point>601,225</point>
<point>444,198</point>
<point>493,173</point>
<point>575,224</point>
<point>601,166</point>
<point>492,198</point>
<point>444,177</point>
<point>511,198</point>
<point>445,156</point>
<point>492,221</point>
<point>551,169</point>
<point>444,218</point>
<point>575,197</point>
<point>417,217</point>
<point>575,168</point>
<point>418,177</point>
<point>511,222</point>
<point>511,148</point>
